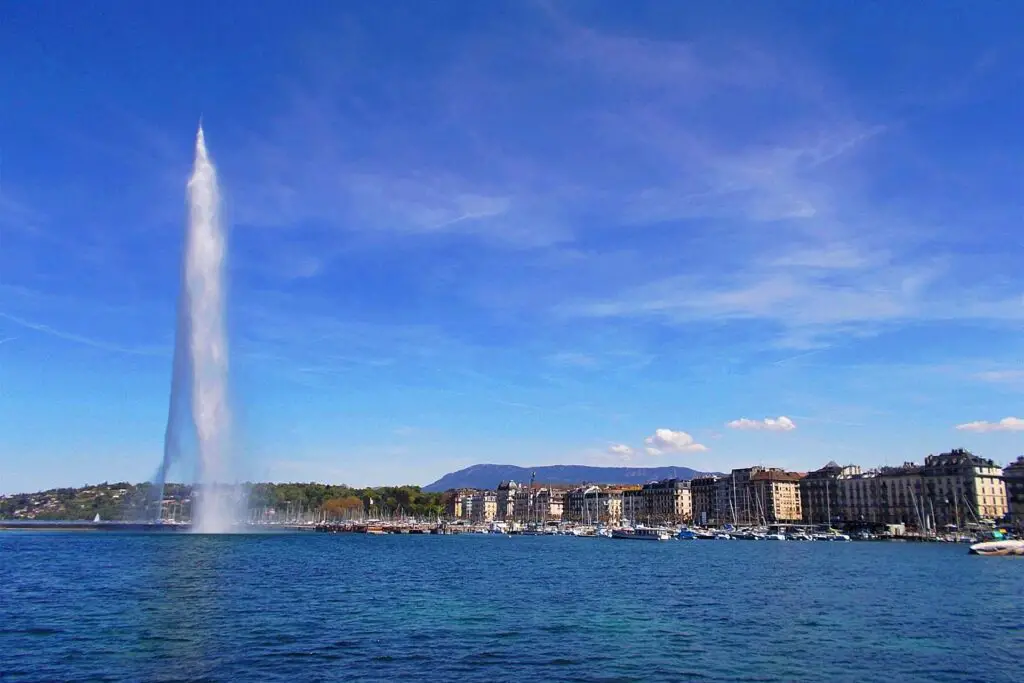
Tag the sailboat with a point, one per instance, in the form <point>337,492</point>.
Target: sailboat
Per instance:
<point>96,519</point>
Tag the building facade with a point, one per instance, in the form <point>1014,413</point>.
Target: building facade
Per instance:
<point>505,501</point>
<point>951,481</point>
<point>821,496</point>
<point>704,495</point>
<point>950,489</point>
<point>549,504</point>
<point>483,507</point>
<point>667,501</point>
<point>594,505</point>
<point>776,496</point>
<point>1013,478</point>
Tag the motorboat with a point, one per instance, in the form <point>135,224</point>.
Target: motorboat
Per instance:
<point>642,534</point>
<point>1000,548</point>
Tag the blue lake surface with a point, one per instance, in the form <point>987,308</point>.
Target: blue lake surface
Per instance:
<point>318,607</point>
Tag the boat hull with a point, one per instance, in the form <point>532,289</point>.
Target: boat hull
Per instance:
<point>998,548</point>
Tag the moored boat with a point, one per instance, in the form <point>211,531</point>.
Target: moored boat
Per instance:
<point>642,534</point>
<point>998,548</point>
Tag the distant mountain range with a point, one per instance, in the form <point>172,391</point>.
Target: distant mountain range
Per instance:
<point>489,476</point>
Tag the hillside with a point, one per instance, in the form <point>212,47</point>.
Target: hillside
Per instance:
<point>489,476</point>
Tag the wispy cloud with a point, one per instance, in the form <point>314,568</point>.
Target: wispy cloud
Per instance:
<point>1001,376</point>
<point>1007,424</point>
<point>572,359</point>
<point>768,424</point>
<point>84,340</point>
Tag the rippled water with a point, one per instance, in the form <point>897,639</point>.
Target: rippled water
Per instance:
<point>156,607</point>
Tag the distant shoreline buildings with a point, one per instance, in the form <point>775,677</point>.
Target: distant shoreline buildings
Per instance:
<point>948,490</point>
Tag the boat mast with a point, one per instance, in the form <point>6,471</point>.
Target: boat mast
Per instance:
<point>828,505</point>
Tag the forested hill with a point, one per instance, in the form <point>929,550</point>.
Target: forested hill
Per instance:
<point>126,502</point>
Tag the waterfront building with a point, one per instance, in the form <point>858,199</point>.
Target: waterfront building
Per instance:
<point>958,477</point>
<point>634,508</point>
<point>548,504</point>
<point>505,501</point>
<point>456,502</point>
<point>483,506</point>
<point>858,499</point>
<point>776,495</point>
<point>525,503</point>
<point>951,488</point>
<point>704,496</point>
<point>666,502</point>
<point>1013,478</point>
<point>821,497</point>
<point>759,495</point>
<point>594,504</point>
<point>467,506</point>
<point>899,494</point>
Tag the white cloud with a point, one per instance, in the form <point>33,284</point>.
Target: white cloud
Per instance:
<point>769,424</point>
<point>621,449</point>
<point>1007,424</point>
<point>669,441</point>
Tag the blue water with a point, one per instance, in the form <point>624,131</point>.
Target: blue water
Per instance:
<point>313,607</point>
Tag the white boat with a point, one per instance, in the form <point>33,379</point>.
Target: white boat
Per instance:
<point>1003,547</point>
<point>642,534</point>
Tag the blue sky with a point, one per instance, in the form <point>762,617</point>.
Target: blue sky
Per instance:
<point>518,232</point>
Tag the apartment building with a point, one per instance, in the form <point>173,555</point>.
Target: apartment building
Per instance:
<point>1013,478</point>
<point>505,501</point>
<point>483,506</point>
<point>668,501</point>
<point>958,478</point>
<point>775,494</point>
<point>549,504</point>
<point>821,497</point>
<point>951,488</point>
<point>704,496</point>
<point>594,504</point>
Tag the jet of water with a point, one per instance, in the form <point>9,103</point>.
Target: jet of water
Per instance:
<point>199,381</point>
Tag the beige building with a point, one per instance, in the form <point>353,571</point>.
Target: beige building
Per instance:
<point>548,504</point>
<point>821,496</point>
<point>458,503</point>
<point>776,496</point>
<point>758,495</point>
<point>958,478</point>
<point>953,488</point>
<point>483,507</point>
<point>665,502</point>
<point>593,505</point>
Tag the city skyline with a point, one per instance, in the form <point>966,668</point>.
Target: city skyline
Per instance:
<point>525,233</point>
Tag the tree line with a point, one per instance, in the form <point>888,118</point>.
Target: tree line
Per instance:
<point>123,501</point>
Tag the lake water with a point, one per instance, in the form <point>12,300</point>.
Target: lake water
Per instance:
<point>317,607</point>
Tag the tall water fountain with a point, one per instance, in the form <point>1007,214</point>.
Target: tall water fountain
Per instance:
<point>199,381</point>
